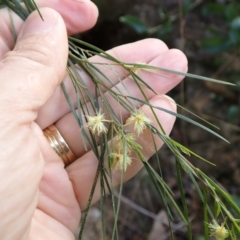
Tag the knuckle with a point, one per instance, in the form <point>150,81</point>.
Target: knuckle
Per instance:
<point>32,50</point>
<point>33,64</point>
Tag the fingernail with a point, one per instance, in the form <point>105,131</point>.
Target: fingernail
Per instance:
<point>36,25</point>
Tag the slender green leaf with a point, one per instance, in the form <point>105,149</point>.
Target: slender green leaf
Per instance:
<point>181,117</point>
<point>179,178</point>
<point>205,214</point>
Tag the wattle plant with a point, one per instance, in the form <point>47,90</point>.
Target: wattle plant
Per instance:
<point>106,134</point>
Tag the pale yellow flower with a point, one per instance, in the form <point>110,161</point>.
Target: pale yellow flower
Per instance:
<point>127,138</point>
<point>140,120</point>
<point>118,162</point>
<point>96,123</point>
<point>217,231</point>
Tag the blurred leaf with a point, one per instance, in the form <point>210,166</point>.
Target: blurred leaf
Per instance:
<point>186,6</point>
<point>217,208</point>
<point>236,199</point>
<point>234,37</point>
<point>232,11</point>
<point>236,23</point>
<point>162,14</point>
<point>165,29</point>
<point>233,113</point>
<point>134,22</point>
<point>215,44</point>
<point>200,237</point>
<point>235,31</point>
<point>213,8</point>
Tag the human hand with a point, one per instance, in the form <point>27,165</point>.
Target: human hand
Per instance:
<point>40,199</point>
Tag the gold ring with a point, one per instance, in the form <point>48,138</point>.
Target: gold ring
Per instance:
<point>59,145</point>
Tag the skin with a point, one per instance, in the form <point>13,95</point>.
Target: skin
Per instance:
<point>40,199</point>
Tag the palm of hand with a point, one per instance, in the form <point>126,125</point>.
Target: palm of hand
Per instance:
<point>57,214</point>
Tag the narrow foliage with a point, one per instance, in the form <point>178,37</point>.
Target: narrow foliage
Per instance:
<point>106,133</point>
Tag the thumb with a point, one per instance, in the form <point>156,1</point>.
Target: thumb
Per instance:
<point>31,72</point>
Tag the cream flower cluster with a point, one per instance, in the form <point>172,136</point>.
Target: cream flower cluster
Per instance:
<point>217,231</point>
<point>120,158</point>
<point>119,161</point>
<point>140,120</point>
<point>96,123</point>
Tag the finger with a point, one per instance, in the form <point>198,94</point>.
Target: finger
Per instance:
<point>68,126</point>
<point>82,172</point>
<point>126,53</point>
<point>31,72</point>
<point>78,16</point>
<point>28,77</point>
<point>134,52</point>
